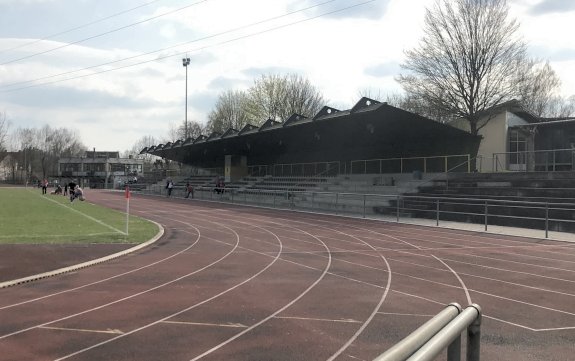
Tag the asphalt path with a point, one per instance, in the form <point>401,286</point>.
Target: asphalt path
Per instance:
<point>228,282</point>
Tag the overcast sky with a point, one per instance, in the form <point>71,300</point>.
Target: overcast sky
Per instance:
<point>112,69</point>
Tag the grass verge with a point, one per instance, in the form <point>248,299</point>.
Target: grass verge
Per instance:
<point>28,217</point>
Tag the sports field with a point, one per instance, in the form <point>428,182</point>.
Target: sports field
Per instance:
<point>27,216</point>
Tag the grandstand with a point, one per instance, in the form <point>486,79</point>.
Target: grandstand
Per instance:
<point>371,160</point>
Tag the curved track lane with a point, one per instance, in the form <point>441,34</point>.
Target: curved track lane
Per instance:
<point>228,282</point>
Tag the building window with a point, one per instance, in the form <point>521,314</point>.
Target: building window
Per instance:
<point>517,147</point>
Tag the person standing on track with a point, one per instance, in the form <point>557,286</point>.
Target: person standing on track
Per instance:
<point>169,187</point>
<point>189,190</point>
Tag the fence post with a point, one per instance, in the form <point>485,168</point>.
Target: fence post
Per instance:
<point>437,212</point>
<point>364,206</point>
<point>397,208</point>
<point>546,219</point>
<point>485,216</point>
<point>312,199</point>
<point>474,336</point>
<point>336,199</point>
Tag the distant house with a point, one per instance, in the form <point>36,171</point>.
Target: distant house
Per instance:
<point>100,169</point>
<point>513,139</point>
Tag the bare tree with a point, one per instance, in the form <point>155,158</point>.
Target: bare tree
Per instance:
<point>278,97</point>
<point>409,102</point>
<point>538,87</point>
<point>41,148</point>
<point>229,112</point>
<point>467,60</point>
<point>4,126</point>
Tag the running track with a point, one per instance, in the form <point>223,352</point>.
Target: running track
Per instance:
<point>238,283</point>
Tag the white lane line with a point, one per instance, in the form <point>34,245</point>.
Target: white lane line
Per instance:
<point>345,320</point>
<point>188,308</point>
<point>555,329</point>
<point>458,278</point>
<point>405,314</point>
<point>289,304</point>
<point>115,276</point>
<point>85,215</point>
<point>108,331</point>
<point>232,325</point>
<point>127,297</point>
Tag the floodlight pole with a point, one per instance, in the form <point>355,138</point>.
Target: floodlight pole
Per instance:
<point>185,63</point>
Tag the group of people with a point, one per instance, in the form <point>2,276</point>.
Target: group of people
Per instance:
<point>189,189</point>
<point>74,190</point>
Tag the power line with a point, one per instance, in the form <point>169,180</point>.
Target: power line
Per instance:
<point>78,27</point>
<point>181,44</point>
<point>102,34</point>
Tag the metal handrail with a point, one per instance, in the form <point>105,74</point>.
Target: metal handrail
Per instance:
<point>543,216</point>
<point>441,332</point>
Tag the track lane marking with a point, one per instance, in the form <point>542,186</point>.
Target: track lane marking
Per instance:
<point>108,331</point>
<point>229,324</point>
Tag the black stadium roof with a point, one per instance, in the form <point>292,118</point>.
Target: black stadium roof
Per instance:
<point>369,130</point>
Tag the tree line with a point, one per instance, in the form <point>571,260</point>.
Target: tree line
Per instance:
<point>28,154</point>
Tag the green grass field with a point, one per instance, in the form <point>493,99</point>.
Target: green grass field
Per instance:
<point>26,216</point>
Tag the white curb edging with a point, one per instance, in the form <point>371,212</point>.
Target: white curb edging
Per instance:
<point>84,264</point>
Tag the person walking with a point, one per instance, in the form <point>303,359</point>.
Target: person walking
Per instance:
<point>189,190</point>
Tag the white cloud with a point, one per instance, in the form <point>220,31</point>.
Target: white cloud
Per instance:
<point>341,56</point>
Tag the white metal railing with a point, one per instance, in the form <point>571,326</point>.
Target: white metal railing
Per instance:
<point>552,160</point>
<point>432,164</point>
<point>439,333</point>
<point>537,215</point>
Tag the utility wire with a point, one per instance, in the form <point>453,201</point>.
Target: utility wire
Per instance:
<point>102,34</point>
<point>179,45</point>
<point>77,27</point>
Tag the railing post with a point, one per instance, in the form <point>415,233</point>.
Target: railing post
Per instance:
<point>336,199</point>
<point>397,208</point>
<point>485,216</point>
<point>364,206</point>
<point>312,199</point>
<point>437,212</point>
<point>274,199</point>
<point>474,336</point>
<point>469,163</point>
<point>546,219</point>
